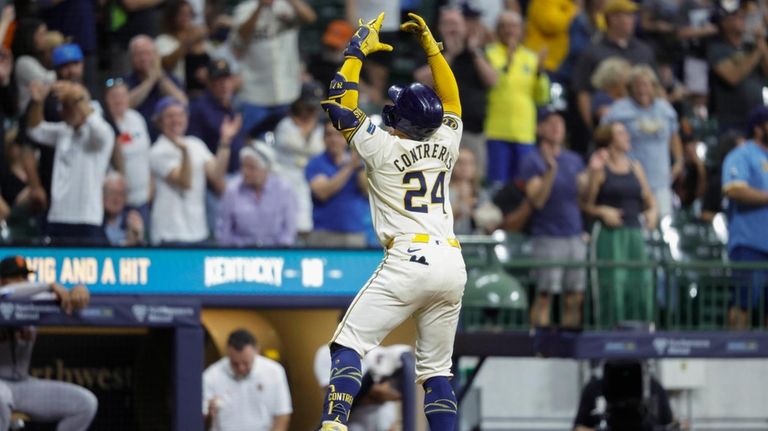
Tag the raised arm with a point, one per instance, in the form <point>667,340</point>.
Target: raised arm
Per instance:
<point>445,83</point>
<point>343,93</point>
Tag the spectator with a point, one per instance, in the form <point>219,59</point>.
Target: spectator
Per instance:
<point>653,128</point>
<point>510,124</point>
<point>182,45</point>
<point>76,19</point>
<point>16,193</point>
<point>617,41</point>
<point>694,29</point>
<point>84,141</point>
<point>148,81</point>
<point>258,208</point>
<point>616,399</point>
<point>658,22</point>
<point>515,207</point>
<point>266,43</point>
<point>27,48</point>
<point>133,143</point>
<point>691,185</point>
<point>298,138</point>
<point>739,71</point>
<point>339,194</point>
<point>245,390</point>
<point>712,202</point>
<point>206,113</point>
<point>122,226</point>
<point>139,17</point>
<point>585,26</point>
<point>474,75</point>
<point>745,184</point>
<point>618,196</point>
<point>610,84</point>
<point>323,65</point>
<point>38,160</point>
<point>554,179</point>
<point>181,166</point>
<point>73,407</point>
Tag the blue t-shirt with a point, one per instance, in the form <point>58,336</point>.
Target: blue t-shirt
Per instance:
<point>560,215</point>
<point>748,165</point>
<point>343,212</point>
<point>651,129</point>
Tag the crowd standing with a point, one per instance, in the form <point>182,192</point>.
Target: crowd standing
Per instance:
<point>198,122</point>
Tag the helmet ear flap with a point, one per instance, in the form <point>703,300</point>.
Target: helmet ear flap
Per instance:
<point>389,115</point>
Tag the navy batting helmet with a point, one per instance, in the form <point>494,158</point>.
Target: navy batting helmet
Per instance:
<point>417,111</point>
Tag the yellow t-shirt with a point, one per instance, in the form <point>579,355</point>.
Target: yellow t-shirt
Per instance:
<point>511,114</point>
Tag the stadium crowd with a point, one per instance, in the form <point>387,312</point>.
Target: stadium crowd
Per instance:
<point>173,122</point>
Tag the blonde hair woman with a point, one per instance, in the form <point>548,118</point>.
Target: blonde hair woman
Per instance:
<point>610,82</point>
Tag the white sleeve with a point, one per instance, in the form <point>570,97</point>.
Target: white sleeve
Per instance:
<point>47,133</point>
<point>166,44</point>
<point>451,129</point>
<point>282,404</point>
<point>208,392</point>
<point>199,149</point>
<point>371,143</point>
<point>102,135</point>
<point>161,163</point>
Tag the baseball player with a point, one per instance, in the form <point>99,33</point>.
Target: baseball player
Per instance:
<point>423,272</point>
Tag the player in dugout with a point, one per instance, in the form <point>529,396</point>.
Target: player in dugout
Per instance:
<point>71,406</point>
<point>423,272</point>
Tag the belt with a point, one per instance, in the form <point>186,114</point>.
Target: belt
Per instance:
<point>423,238</point>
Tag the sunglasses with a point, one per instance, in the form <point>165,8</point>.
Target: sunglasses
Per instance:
<point>113,82</point>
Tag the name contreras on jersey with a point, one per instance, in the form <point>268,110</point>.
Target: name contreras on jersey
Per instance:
<point>422,151</point>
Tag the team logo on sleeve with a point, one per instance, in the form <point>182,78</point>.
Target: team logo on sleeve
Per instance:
<point>451,122</point>
<point>371,128</point>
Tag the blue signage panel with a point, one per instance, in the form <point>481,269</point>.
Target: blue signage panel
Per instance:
<point>204,271</point>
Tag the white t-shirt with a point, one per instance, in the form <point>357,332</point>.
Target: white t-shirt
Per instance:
<point>249,404</point>
<point>79,167</point>
<point>408,180</point>
<point>271,67</point>
<point>134,143</point>
<point>178,214</point>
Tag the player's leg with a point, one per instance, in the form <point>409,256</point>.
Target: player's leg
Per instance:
<point>380,306</point>
<point>72,406</point>
<point>434,348</point>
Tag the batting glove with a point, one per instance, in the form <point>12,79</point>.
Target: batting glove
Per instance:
<point>418,27</point>
<point>366,39</point>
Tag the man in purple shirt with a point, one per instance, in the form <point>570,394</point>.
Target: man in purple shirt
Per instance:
<point>258,208</point>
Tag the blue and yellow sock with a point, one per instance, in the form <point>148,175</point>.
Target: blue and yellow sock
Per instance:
<point>346,378</point>
<point>440,404</point>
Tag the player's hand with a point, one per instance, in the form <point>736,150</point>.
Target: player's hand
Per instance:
<point>611,216</point>
<point>63,297</point>
<point>79,297</point>
<point>366,39</point>
<point>418,27</point>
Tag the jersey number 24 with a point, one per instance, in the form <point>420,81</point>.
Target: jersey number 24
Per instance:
<point>437,195</point>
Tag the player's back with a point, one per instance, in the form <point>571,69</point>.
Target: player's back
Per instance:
<point>408,180</point>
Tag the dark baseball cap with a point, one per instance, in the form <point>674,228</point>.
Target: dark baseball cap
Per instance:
<point>312,93</point>
<point>757,117</point>
<point>219,69</point>
<point>12,266</point>
<point>544,112</point>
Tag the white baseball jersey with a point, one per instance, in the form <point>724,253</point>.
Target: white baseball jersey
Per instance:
<point>408,180</point>
<point>425,279</point>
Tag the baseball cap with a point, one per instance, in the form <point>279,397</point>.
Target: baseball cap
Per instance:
<point>312,93</point>
<point>219,69</point>
<point>620,6</point>
<point>338,33</point>
<point>164,104</point>
<point>66,53</point>
<point>469,11</point>
<point>757,117</point>
<point>725,8</point>
<point>545,112</point>
<point>13,266</point>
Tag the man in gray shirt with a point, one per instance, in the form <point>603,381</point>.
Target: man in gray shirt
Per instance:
<point>72,407</point>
